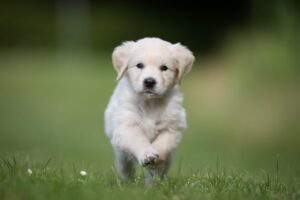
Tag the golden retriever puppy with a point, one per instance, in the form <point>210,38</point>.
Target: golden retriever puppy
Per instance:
<point>144,119</point>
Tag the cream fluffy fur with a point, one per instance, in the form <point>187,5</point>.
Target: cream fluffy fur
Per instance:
<point>146,125</point>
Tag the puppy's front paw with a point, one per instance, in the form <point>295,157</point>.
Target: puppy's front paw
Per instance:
<point>148,158</point>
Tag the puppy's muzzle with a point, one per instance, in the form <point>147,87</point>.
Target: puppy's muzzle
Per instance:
<point>149,83</point>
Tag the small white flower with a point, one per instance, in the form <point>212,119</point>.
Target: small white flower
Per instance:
<point>29,171</point>
<point>83,173</point>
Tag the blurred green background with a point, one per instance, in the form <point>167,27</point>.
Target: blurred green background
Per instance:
<point>242,96</point>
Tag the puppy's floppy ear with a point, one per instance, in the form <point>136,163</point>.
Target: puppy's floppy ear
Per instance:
<point>120,57</point>
<point>184,59</point>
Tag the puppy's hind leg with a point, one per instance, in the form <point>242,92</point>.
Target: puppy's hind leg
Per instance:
<point>159,170</point>
<point>125,165</point>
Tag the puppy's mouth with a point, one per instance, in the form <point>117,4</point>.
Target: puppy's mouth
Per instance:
<point>149,92</point>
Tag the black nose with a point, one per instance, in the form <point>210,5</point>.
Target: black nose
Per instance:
<point>149,83</point>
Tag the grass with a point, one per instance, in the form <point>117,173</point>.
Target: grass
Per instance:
<point>63,181</point>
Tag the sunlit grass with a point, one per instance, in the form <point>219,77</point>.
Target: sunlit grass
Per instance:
<point>50,180</point>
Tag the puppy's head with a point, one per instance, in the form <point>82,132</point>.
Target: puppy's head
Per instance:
<point>152,65</point>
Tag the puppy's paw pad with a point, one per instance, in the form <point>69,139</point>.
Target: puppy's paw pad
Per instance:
<point>149,158</point>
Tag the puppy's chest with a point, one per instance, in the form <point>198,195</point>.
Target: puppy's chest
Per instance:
<point>153,123</point>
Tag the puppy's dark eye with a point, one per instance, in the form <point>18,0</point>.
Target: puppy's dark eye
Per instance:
<point>140,65</point>
<point>163,68</point>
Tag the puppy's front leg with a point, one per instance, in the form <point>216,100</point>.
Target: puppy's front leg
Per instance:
<point>130,138</point>
<point>165,144</point>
